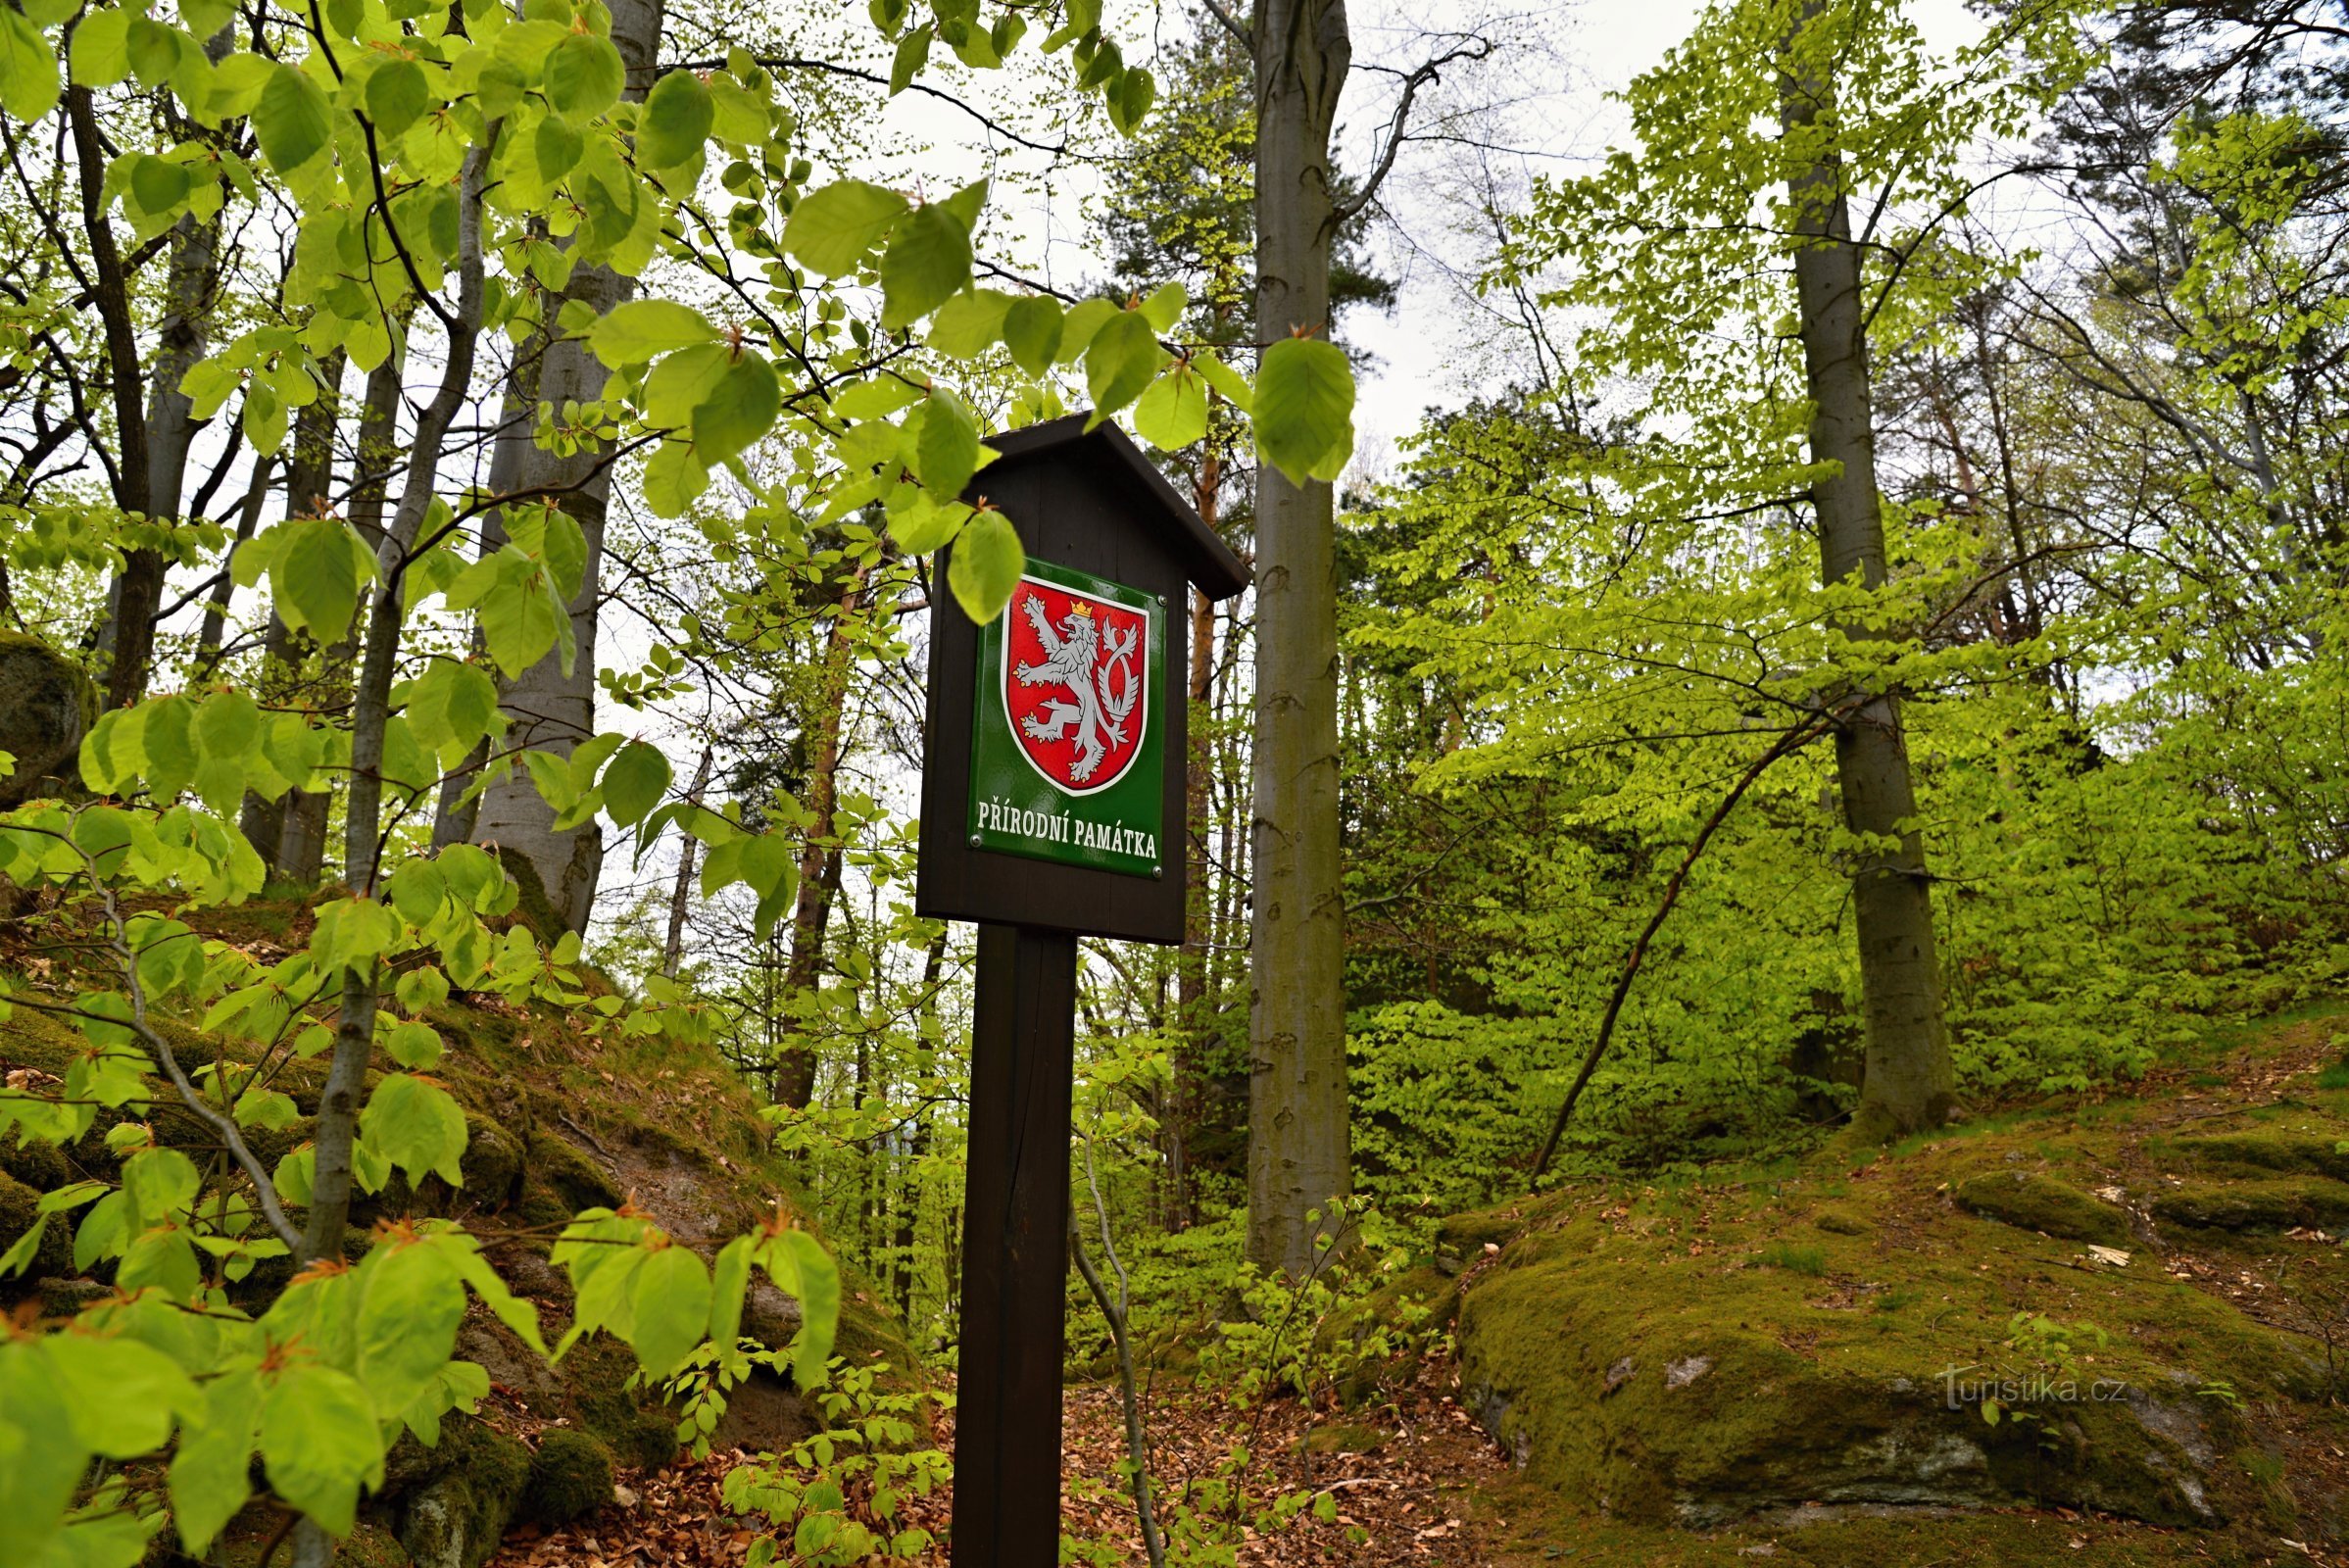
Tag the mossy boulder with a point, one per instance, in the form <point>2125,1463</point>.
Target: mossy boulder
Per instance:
<point>639,1436</point>
<point>571,1474</point>
<point>454,1517</point>
<point>20,1210</point>
<point>2279,1205</point>
<point>2267,1148</point>
<point>47,705</point>
<point>1692,1398</point>
<point>2035,1203</point>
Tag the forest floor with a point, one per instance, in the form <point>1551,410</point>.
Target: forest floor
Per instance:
<point>1406,1488</point>
<point>1419,1482</point>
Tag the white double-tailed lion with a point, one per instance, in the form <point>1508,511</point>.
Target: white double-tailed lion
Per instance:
<point>1073,660</point>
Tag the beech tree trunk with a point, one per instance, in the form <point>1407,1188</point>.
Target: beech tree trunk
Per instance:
<point>301,856</point>
<point>1908,1080</point>
<point>1299,1155</point>
<point>285,654</point>
<point>680,901</point>
<point>819,852</point>
<point>153,433</point>
<point>548,708</point>
<point>1195,1005</point>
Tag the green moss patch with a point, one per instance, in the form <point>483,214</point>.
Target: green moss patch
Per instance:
<point>2035,1203</point>
<point>571,1474</point>
<point>2264,1207</point>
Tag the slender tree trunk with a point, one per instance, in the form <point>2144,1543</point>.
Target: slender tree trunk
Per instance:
<point>301,854</point>
<point>216,606</point>
<point>1186,1091</point>
<point>819,850</point>
<point>285,654</point>
<point>917,1143</point>
<point>370,711</point>
<point>128,634</point>
<point>552,709</point>
<point>1908,1079</point>
<point>1299,1155</point>
<point>680,901</point>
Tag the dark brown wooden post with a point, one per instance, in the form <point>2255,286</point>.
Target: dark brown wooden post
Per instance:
<point>1015,1252</point>
<point>1040,836</point>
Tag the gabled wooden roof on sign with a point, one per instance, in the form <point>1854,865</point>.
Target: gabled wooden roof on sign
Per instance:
<point>1113,457</point>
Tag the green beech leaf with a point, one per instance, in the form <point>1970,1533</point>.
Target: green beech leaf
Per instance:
<point>739,410</point>
<point>123,1393</point>
<point>317,573</point>
<point>1173,413</point>
<point>1078,326</point>
<point>42,1463</point>
<point>634,782</point>
<point>673,478</point>
<point>208,1477</point>
<point>451,705</point>
<point>1032,332</point>
<point>970,324</point>
<point>583,76</point>
<point>557,145</point>
<point>1226,380</point>
<point>798,1264</point>
<point>946,449</point>
<point>29,83</point>
<point>396,96</point>
<point>924,526</point>
<point>1130,99</point>
<point>352,933</point>
<point>671,1295</point>
<point>1123,357</point>
<point>1305,405</point>
<point>985,565</point>
<point>290,119</point>
<point>319,1442</point>
<point>675,124</point>
<point>731,1279</point>
<point>831,230</point>
<point>101,52</point>
<point>1164,307</point>
<point>417,1125</point>
<point>635,332</point>
<point>927,263</point>
<point>409,1309</point>
<point>913,53</point>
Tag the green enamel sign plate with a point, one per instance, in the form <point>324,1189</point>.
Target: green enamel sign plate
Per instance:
<point>1068,745</point>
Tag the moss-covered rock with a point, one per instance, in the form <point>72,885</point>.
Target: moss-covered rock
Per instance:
<point>2267,1148</point>
<point>571,1474</point>
<point>47,705</point>
<point>566,1174</point>
<point>20,1210</point>
<point>457,1516</point>
<point>639,1436</point>
<point>2279,1205</point>
<point>1682,1396</point>
<point>2035,1203</point>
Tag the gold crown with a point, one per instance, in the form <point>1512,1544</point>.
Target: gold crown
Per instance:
<point>1080,608</point>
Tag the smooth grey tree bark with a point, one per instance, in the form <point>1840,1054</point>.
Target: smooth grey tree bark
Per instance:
<point>285,654</point>
<point>1299,1145</point>
<point>547,708</point>
<point>1908,1081</point>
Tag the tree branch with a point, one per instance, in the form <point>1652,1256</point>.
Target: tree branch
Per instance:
<point>1345,211</point>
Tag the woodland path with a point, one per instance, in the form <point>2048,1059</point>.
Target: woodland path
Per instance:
<point>1413,1495</point>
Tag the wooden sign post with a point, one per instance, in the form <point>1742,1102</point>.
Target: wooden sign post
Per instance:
<point>1053,802</point>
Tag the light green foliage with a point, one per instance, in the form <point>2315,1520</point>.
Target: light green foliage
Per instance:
<point>865,1451</point>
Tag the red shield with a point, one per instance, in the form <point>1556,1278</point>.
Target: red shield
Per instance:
<point>1076,684</point>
